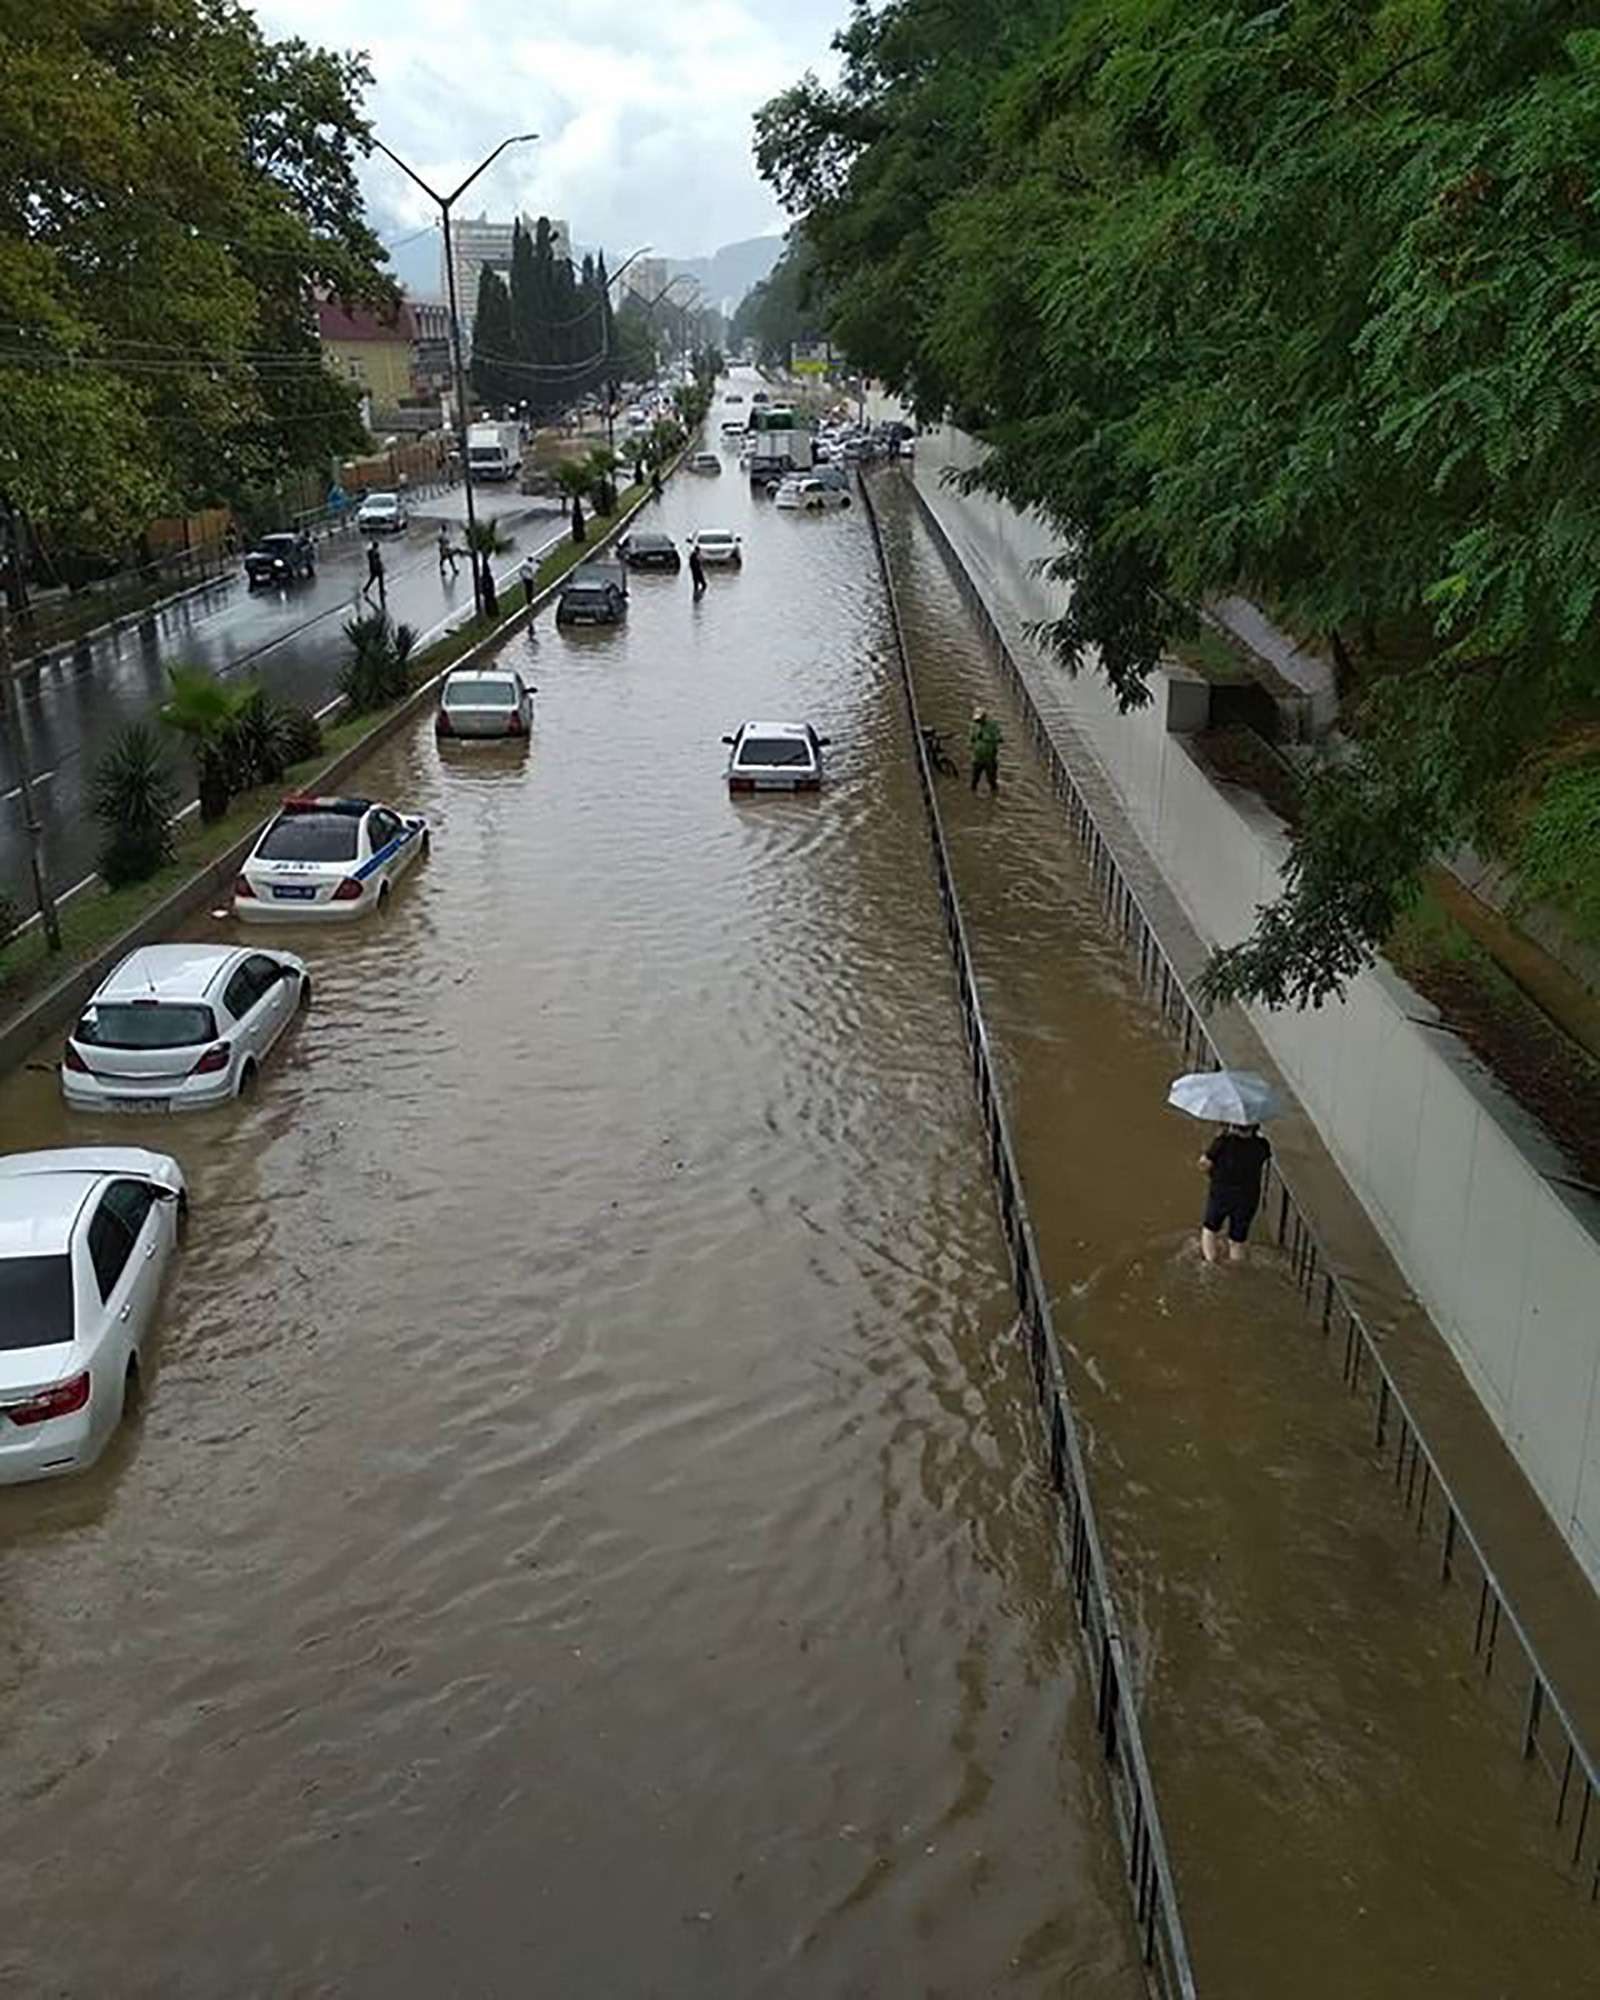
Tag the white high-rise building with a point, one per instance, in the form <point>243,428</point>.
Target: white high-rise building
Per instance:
<point>475,244</point>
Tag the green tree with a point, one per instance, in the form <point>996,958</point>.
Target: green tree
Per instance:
<point>1286,300</point>
<point>173,185</point>
<point>203,710</point>
<point>494,381</point>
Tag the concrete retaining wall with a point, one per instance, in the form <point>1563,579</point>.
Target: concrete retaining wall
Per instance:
<point>1469,1196</point>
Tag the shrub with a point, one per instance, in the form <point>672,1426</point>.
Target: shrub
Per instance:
<point>1557,856</point>
<point>204,711</point>
<point>302,734</point>
<point>378,671</point>
<point>259,741</point>
<point>133,796</point>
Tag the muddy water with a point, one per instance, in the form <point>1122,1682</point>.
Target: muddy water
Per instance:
<point>1345,1808</point>
<point>584,1537</point>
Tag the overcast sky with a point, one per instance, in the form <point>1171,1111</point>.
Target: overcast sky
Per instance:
<point>643,106</point>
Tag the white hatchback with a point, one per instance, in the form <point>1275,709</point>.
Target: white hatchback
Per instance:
<point>775,757</point>
<point>327,860</point>
<point>178,1027</point>
<point>86,1234</point>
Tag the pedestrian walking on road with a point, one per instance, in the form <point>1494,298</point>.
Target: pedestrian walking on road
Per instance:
<point>655,482</point>
<point>528,570</point>
<point>374,574</point>
<point>697,573</point>
<point>985,750</point>
<point>447,554</point>
<point>1236,1160</point>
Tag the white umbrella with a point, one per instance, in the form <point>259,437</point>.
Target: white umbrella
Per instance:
<point>1225,1096</point>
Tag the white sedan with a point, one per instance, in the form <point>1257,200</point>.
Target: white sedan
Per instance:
<point>178,1027</point>
<point>327,859</point>
<point>775,757</point>
<point>810,495</point>
<point>86,1234</point>
<point>718,545</point>
<point>382,514</point>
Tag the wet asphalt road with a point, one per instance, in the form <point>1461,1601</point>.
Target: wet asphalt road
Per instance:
<point>287,639</point>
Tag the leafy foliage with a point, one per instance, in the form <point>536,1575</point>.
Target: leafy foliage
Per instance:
<point>173,185</point>
<point>1290,300</point>
<point>204,710</point>
<point>549,336</point>
<point>134,796</point>
<point>1557,854</point>
<point>378,671</point>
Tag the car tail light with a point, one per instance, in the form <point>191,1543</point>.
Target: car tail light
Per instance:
<point>741,784</point>
<point>70,1059</point>
<point>348,891</point>
<point>442,725</point>
<point>60,1401</point>
<point>215,1058</point>
<point>242,888</point>
<point>515,726</point>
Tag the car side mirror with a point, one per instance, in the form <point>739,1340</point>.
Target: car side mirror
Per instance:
<point>161,1192</point>
<point>727,739</point>
<point>824,740</point>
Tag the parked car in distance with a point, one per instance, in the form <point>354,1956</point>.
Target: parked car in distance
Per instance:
<point>327,860</point>
<point>382,514</point>
<point>643,548</point>
<point>718,545</point>
<point>705,461</point>
<point>593,594</point>
<point>280,559</point>
<point>484,702</point>
<point>775,757</point>
<point>86,1234</point>
<point>178,1027</point>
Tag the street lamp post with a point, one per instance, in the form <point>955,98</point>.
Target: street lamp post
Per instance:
<point>446,203</point>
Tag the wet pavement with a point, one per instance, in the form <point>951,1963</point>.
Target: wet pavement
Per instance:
<point>288,639</point>
<point>1343,1802</point>
<point>585,1533</point>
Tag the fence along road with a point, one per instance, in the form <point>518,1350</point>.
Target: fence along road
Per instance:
<point>1333,1793</point>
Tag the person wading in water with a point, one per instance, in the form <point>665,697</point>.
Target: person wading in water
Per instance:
<point>1236,1159</point>
<point>985,750</point>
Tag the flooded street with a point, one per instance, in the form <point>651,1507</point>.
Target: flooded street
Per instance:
<point>585,1534</point>
<point>1342,1799</point>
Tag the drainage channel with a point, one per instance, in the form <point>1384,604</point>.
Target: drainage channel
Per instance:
<point>1537,1725</point>
<point>1336,1816</point>
<point>1149,1874</point>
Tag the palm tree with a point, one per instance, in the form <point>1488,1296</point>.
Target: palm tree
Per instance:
<point>603,467</point>
<point>575,477</point>
<point>133,797</point>
<point>201,708</point>
<point>378,670</point>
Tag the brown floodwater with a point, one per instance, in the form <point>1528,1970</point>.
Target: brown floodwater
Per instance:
<point>585,1534</point>
<point>1343,1802</point>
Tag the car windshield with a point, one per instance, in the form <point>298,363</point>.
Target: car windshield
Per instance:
<point>35,1301</point>
<point>585,590</point>
<point>146,1024</point>
<point>277,543</point>
<point>775,750</point>
<point>310,836</point>
<point>714,541</point>
<point>649,545</point>
<point>480,694</point>
<point>382,503</point>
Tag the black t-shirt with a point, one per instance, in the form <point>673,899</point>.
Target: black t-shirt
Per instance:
<point>1238,1161</point>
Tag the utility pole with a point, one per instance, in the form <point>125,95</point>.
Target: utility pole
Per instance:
<point>446,203</point>
<point>30,813</point>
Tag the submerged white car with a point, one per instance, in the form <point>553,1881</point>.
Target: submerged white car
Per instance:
<point>775,757</point>
<point>485,702</point>
<point>86,1234</point>
<point>810,495</point>
<point>178,1027</point>
<point>718,545</point>
<point>327,860</point>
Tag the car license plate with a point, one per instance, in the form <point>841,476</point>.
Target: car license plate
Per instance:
<point>294,894</point>
<point>141,1103</point>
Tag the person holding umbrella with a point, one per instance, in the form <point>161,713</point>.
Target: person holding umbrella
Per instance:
<point>1237,1157</point>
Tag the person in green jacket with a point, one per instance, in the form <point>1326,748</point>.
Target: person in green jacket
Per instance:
<point>985,749</point>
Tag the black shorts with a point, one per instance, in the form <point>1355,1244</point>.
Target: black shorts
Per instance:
<point>1233,1209</point>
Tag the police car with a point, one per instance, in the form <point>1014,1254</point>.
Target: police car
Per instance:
<point>327,859</point>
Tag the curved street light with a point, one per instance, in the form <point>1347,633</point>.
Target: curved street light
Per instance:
<point>446,203</point>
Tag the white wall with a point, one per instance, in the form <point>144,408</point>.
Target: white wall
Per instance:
<point>1455,1179</point>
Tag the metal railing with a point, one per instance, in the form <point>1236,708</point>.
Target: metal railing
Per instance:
<point>1543,1729</point>
<point>1109,1662</point>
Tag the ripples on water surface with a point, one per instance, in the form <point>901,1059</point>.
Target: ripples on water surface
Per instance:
<point>585,1537</point>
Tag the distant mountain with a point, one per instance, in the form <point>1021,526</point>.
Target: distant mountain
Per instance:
<point>727,274</point>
